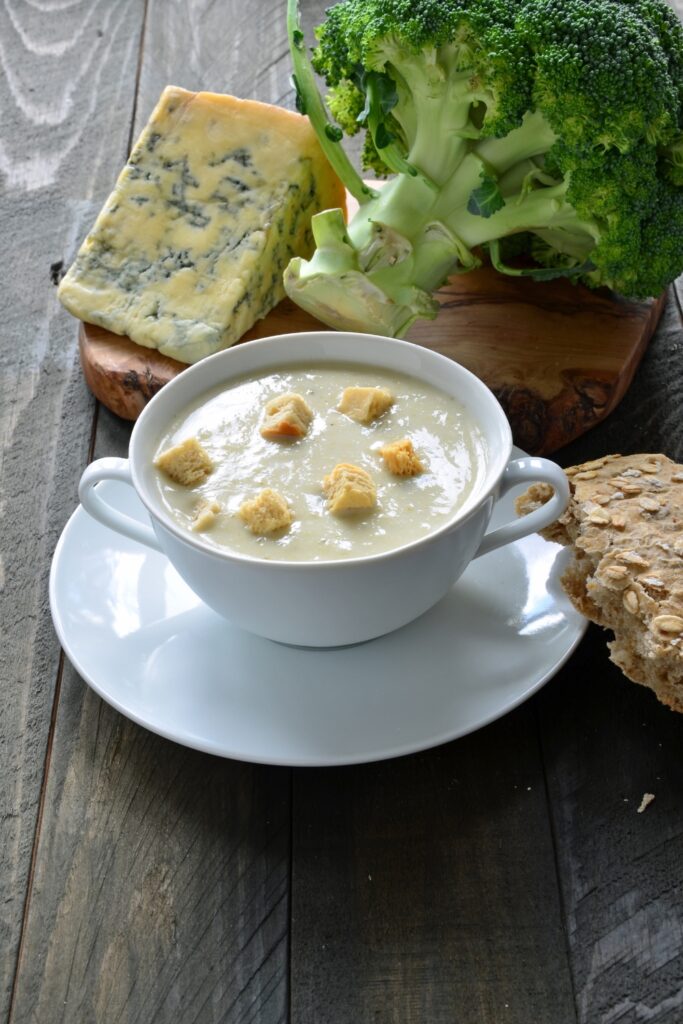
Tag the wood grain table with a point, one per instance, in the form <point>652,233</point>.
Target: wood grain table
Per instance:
<point>505,878</point>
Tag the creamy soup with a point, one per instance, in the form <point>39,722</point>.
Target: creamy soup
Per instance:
<point>227,421</point>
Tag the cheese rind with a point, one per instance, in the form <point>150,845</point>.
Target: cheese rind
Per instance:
<point>189,249</point>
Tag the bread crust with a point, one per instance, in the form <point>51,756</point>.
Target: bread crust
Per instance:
<point>187,463</point>
<point>267,513</point>
<point>401,459</point>
<point>349,488</point>
<point>624,523</point>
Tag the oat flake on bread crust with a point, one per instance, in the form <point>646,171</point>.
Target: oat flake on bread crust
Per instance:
<point>625,524</point>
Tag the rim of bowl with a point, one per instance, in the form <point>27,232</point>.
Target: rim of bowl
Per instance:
<point>497,460</point>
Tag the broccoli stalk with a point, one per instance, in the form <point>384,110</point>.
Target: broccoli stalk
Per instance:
<point>309,101</point>
<point>555,121</point>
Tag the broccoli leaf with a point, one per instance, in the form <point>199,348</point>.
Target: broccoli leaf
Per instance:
<point>486,198</point>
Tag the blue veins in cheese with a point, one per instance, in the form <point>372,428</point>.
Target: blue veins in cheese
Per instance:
<point>189,249</point>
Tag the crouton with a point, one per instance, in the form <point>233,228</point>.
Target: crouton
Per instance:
<point>349,489</point>
<point>205,515</point>
<point>365,404</point>
<point>287,415</point>
<point>187,463</point>
<point>400,458</point>
<point>267,513</point>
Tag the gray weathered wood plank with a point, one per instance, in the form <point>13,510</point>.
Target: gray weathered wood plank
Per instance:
<point>424,889</point>
<point>606,743</point>
<point>161,883</point>
<point>228,47</point>
<point>59,66</point>
<point>160,890</point>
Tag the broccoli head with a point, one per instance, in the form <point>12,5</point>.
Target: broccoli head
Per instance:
<point>557,123</point>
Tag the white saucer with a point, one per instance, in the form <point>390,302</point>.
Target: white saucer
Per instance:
<point>142,640</point>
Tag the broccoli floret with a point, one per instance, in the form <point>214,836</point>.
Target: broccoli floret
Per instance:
<point>602,77</point>
<point>557,123</point>
<point>346,102</point>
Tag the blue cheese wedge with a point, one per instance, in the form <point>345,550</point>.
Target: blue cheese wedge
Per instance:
<point>189,249</point>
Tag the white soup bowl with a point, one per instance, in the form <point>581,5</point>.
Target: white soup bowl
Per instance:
<point>323,604</point>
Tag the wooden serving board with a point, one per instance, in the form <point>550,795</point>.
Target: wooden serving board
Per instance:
<point>558,356</point>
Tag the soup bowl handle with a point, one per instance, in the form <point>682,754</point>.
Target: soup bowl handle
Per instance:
<point>526,471</point>
<point>100,509</point>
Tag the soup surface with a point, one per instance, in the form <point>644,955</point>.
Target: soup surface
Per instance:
<point>226,423</point>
